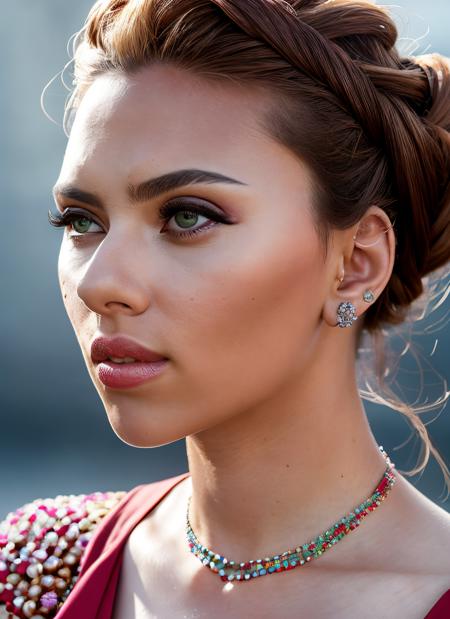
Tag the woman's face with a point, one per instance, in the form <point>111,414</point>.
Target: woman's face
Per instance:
<point>235,307</point>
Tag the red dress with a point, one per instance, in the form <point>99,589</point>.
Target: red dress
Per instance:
<point>93,594</point>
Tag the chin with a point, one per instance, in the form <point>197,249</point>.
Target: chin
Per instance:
<point>137,432</point>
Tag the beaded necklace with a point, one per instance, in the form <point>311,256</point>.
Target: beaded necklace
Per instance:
<point>290,559</point>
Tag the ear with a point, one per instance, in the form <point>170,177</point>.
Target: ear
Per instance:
<point>364,263</point>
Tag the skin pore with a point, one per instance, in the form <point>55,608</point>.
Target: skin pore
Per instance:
<point>260,381</point>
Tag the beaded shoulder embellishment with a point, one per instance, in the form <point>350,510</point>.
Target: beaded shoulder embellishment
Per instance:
<point>41,551</point>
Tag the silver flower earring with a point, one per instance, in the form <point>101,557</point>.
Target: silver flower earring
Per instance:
<point>346,314</point>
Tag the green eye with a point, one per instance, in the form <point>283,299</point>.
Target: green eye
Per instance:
<point>74,221</point>
<point>81,224</point>
<point>188,219</point>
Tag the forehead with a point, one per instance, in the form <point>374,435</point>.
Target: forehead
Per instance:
<point>164,112</point>
<point>163,118</point>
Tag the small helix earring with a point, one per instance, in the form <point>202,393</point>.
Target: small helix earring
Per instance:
<point>374,242</point>
<point>368,296</point>
<point>346,314</point>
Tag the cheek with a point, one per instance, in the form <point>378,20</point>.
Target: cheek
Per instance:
<point>68,269</point>
<point>63,276</point>
<point>253,321</point>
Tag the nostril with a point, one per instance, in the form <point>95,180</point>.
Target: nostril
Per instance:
<point>119,303</point>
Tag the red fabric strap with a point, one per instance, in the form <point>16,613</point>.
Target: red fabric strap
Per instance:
<point>441,610</point>
<point>94,592</point>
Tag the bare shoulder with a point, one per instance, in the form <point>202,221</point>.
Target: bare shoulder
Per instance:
<point>396,565</point>
<point>417,553</point>
<point>427,525</point>
<point>42,545</point>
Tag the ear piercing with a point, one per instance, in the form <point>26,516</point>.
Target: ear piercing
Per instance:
<point>360,244</point>
<point>346,314</point>
<point>368,296</point>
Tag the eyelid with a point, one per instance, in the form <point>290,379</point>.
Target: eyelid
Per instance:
<point>82,212</point>
<point>164,211</point>
<point>184,203</point>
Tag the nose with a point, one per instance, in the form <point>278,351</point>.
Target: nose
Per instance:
<point>113,280</point>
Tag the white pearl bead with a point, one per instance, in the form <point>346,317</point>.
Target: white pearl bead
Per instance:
<point>18,601</point>
<point>33,570</point>
<point>28,608</point>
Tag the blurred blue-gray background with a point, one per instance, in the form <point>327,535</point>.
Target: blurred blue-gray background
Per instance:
<point>54,434</point>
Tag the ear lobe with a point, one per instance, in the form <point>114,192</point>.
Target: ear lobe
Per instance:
<point>368,261</point>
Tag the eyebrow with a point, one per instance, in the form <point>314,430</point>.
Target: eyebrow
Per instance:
<point>149,189</point>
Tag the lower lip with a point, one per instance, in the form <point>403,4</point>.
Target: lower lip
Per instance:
<point>123,375</point>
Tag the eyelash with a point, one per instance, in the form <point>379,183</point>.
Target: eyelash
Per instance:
<point>166,212</point>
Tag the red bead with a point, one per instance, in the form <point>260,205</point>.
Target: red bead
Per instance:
<point>7,595</point>
<point>62,530</point>
<point>21,568</point>
<point>382,484</point>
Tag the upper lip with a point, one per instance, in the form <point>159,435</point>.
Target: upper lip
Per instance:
<point>120,346</point>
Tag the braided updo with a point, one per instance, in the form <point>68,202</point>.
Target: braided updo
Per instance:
<point>372,126</point>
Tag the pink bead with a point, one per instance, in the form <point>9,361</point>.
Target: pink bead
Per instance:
<point>49,599</point>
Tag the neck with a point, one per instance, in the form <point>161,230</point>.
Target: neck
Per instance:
<point>278,475</point>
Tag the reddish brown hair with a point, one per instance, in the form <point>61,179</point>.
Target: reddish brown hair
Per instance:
<point>372,126</point>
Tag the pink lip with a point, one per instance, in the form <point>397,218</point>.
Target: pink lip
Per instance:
<point>123,375</point>
<point>148,364</point>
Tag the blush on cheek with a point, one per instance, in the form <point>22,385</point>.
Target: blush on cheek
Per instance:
<point>286,293</point>
<point>278,289</point>
<point>253,326</point>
